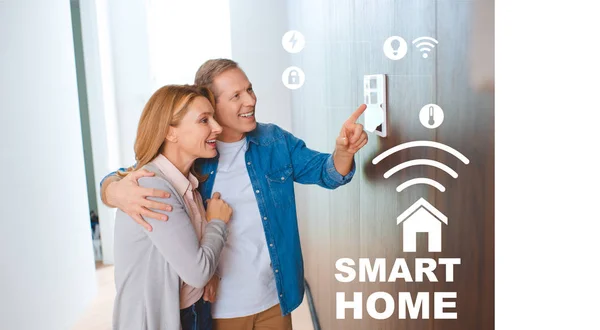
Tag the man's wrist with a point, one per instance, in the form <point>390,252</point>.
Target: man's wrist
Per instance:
<point>343,155</point>
<point>342,162</point>
<point>105,191</point>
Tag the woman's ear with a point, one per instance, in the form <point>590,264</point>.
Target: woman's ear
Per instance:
<point>172,135</point>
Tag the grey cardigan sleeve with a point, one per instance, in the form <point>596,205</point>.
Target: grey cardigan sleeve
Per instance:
<point>195,262</point>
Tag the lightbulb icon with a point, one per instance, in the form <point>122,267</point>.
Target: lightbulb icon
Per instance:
<point>395,48</point>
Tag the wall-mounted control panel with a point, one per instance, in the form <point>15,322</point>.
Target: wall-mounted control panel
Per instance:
<point>375,97</point>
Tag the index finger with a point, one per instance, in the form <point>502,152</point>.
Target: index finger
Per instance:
<point>354,116</point>
<point>135,175</point>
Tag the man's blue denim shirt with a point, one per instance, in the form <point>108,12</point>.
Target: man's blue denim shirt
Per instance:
<point>275,159</point>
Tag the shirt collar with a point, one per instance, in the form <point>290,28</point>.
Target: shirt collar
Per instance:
<point>260,135</point>
<point>177,179</point>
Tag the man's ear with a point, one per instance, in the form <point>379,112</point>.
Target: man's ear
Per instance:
<point>172,135</point>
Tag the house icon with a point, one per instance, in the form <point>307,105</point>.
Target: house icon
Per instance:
<point>422,217</point>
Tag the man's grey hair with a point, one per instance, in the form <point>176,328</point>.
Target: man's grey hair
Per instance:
<point>207,72</point>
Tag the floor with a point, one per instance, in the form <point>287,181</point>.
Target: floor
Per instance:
<point>99,314</point>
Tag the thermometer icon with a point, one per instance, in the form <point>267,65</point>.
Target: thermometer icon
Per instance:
<point>431,121</point>
<point>431,116</point>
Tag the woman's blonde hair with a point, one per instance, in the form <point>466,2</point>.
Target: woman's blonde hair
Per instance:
<point>165,108</point>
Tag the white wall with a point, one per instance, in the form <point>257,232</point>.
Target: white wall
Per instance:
<point>256,31</point>
<point>131,68</point>
<point>159,42</point>
<point>101,107</point>
<point>131,49</point>
<point>47,265</point>
<point>183,34</point>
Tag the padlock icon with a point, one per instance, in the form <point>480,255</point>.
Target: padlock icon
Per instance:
<point>293,78</point>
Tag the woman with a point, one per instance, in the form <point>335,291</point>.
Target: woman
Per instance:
<point>160,274</point>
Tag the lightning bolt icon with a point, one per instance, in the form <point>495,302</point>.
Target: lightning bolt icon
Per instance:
<point>293,40</point>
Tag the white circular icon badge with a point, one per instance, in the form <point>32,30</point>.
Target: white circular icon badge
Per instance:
<point>431,116</point>
<point>293,77</point>
<point>395,48</point>
<point>293,41</point>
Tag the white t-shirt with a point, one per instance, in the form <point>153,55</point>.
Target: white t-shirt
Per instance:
<point>247,282</point>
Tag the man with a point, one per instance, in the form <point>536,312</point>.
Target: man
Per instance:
<point>260,275</point>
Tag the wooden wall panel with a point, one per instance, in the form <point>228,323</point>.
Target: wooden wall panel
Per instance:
<point>344,42</point>
<point>469,200</point>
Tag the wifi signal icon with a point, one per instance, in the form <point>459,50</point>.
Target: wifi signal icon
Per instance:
<point>429,162</point>
<point>425,47</point>
<point>421,217</point>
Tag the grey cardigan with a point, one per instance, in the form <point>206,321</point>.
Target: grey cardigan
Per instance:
<point>149,266</point>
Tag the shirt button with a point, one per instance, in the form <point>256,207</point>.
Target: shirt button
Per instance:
<point>281,295</point>
<point>265,218</point>
<point>282,178</point>
<point>249,163</point>
<point>211,172</point>
<point>258,191</point>
<point>276,270</point>
<point>271,245</point>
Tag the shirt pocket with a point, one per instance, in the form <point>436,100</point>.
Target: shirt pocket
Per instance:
<point>281,186</point>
